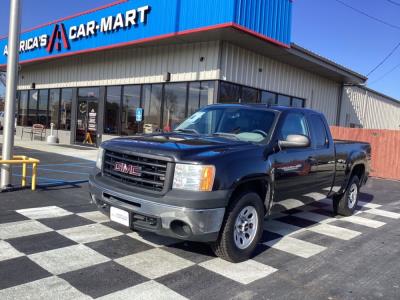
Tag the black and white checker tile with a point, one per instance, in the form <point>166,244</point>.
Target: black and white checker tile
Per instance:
<point>57,252</point>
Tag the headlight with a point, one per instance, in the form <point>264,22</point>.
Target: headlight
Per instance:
<point>99,160</point>
<point>194,177</point>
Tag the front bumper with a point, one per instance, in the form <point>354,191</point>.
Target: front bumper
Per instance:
<point>194,224</point>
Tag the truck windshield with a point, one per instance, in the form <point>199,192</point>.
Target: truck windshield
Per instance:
<point>239,123</point>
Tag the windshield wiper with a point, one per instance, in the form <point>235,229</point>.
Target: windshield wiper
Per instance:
<point>188,130</point>
<point>225,134</point>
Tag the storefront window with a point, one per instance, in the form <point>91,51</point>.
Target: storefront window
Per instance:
<point>65,109</point>
<point>229,93</point>
<point>23,109</point>
<point>200,94</point>
<point>54,107</point>
<point>112,110</point>
<point>174,105</point>
<point>249,95</point>
<point>152,95</point>
<point>296,102</point>
<point>194,97</point>
<point>42,107</point>
<point>268,98</point>
<point>283,100</point>
<point>207,93</point>
<point>130,101</point>
<point>32,107</point>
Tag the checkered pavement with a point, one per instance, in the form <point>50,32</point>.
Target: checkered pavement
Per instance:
<point>55,253</point>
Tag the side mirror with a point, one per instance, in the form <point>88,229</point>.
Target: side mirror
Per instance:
<point>295,141</point>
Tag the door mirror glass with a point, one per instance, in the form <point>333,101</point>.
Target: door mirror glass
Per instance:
<point>295,141</point>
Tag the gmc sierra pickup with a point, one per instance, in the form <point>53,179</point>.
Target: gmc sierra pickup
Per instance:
<point>217,175</point>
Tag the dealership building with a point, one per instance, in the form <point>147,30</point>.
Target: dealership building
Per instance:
<point>145,65</point>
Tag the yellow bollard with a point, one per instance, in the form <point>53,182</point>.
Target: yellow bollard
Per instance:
<point>34,171</point>
<point>24,161</point>
<point>24,174</point>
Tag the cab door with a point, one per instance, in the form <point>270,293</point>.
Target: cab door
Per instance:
<point>323,154</point>
<point>293,167</point>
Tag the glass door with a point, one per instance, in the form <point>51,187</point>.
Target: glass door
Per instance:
<point>87,115</point>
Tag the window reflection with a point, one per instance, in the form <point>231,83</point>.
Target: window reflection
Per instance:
<point>174,105</point>
<point>54,107</point>
<point>152,95</point>
<point>130,101</point>
<point>42,107</point>
<point>249,95</point>
<point>268,98</point>
<point>296,102</point>
<point>229,93</point>
<point>32,107</point>
<point>283,100</point>
<point>23,109</point>
<point>65,109</point>
<point>111,116</point>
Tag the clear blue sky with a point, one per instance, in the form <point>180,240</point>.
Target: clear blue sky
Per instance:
<point>323,26</point>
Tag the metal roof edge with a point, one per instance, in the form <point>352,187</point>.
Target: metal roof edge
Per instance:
<point>340,69</point>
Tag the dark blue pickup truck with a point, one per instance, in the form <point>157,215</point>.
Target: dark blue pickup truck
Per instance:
<point>217,175</point>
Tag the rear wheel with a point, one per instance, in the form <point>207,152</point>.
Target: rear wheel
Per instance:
<point>346,204</point>
<point>242,228</point>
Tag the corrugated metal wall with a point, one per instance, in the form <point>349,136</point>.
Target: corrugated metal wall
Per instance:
<point>126,66</point>
<point>242,66</point>
<point>269,17</point>
<point>367,109</point>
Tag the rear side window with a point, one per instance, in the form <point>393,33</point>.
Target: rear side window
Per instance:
<point>319,130</point>
<point>294,123</point>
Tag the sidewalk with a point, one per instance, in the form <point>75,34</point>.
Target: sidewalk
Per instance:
<point>68,150</point>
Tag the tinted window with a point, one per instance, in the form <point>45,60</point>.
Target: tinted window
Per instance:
<point>113,101</point>
<point>42,107</point>
<point>65,109</point>
<point>54,106</point>
<point>174,105</point>
<point>268,98</point>
<point>296,102</point>
<point>229,93</point>
<point>130,101</point>
<point>193,97</point>
<point>249,95</point>
<point>319,130</point>
<point>200,94</point>
<point>206,93</point>
<point>32,107</point>
<point>23,109</point>
<point>283,100</point>
<point>152,95</point>
<point>294,123</point>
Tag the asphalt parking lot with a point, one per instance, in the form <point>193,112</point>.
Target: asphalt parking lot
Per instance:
<point>55,245</point>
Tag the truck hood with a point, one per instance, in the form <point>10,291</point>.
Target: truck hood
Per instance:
<point>181,147</point>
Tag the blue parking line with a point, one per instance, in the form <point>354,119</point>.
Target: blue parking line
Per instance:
<point>79,165</point>
<point>40,178</point>
<point>63,183</point>
<point>53,182</point>
<point>61,171</point>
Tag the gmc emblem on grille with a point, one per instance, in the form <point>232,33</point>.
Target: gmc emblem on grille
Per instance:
<point>128,169</point>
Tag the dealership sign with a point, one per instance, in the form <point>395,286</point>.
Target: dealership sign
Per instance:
<point>64,37</point>
<point>60,38</point>
<point>128,22</point>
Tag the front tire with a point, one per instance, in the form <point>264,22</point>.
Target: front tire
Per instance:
<point>242,228</point>
<point>346,204</point>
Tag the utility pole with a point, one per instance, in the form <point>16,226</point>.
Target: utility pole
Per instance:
<point>11,87</point>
